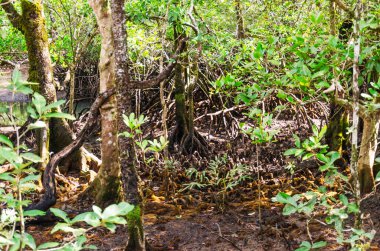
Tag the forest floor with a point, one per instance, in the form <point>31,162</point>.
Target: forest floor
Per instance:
<point>196,220</point>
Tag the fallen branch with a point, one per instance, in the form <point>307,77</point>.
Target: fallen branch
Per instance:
<point>50,196</point>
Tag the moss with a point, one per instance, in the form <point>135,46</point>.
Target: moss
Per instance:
<point>135,229</point>
<point>108,192</point>
<point>336,132</point>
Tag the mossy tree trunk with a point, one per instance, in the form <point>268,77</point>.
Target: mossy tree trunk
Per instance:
<point>107,184</point>
<point>184,134</point>
<point>336,135</point>
<point>136,240</point>
<point>240,29</point>
<point>31,22</point>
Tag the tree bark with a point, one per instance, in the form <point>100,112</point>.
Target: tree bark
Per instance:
<point>367,153</point>
<point>240,30</point>
<point>136,240</point>
<point>31,23</point>
<point>107,183</point>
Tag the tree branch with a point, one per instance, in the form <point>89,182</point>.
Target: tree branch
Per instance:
<point>49,198</point>
<point>164,74</point>
<point>344,7</point>
<point>13,16</point>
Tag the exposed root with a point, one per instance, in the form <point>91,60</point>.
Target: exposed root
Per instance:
<point>188,143</point>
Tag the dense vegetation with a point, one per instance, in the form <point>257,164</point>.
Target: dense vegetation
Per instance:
<point>113,111</point>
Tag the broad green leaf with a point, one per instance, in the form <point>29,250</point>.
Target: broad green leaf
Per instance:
<point>29,241</point>
<point>39,102</point>
<point>353,208</point>
<point>32,157</point>
<point>32,213</point>
<point>297,141</point>
<point>377,177</point>
<point>319,244</point>
<point>5,241</point>
<point>112,210</point>
<point>116,220</point>
<point>48,245</point>
<point>110,226</point>
<point>343,199</point>
<point>7,177</point>
<point>289,209</point>
<point>61,214</point>
<point>125,208</point>
<point>4,139</point>
<point>60,115</point>
<point>290,151</point>
<point>97,210</point>
<point>286,199</point>
<point>54,105</point>
<point>30,177</point>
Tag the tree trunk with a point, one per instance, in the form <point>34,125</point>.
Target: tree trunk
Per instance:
<point>107,184</point>
<point>367,153</point>
<point>355,113</point>
<point>136,241</point>
<point>31,23</point>
<point>240,30</point>
<point>336,136</point>
<point>184,134</point>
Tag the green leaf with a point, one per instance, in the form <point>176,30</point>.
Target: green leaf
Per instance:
<point>30,177</point>
<point>39,102</point>
<point>289,209</point>
<point>297,141</point>
<point>90,218</point>
<point>4,139</point>
<point>377,177</point>
<point>322,132</point>
<point>116,220</point>
<point>54,105</point>
<point>5,241</point>
<point>285,199</point>
<point>60,115</point>
<point>307,156</point>
<point>33,213</point>
<point>110,226</point>
<point>29,241</point>
<point>36,125</point>
<point>48,245</point>
<point>343,199</point>
<point>16,75</point>
<point>125,208</point>
<point>259,52</point>
<point>319,244</point>
<point>32,157</point>
<point>7,177</point>
<point>290,151</point>
<point>97,210</point>
<point>61,214</point>
<point>353,208</point>
<point>322,157</point>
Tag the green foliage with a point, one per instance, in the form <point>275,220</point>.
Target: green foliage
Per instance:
<point>218,177</point>
<point>336,207</point>
<point>22,179</point>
